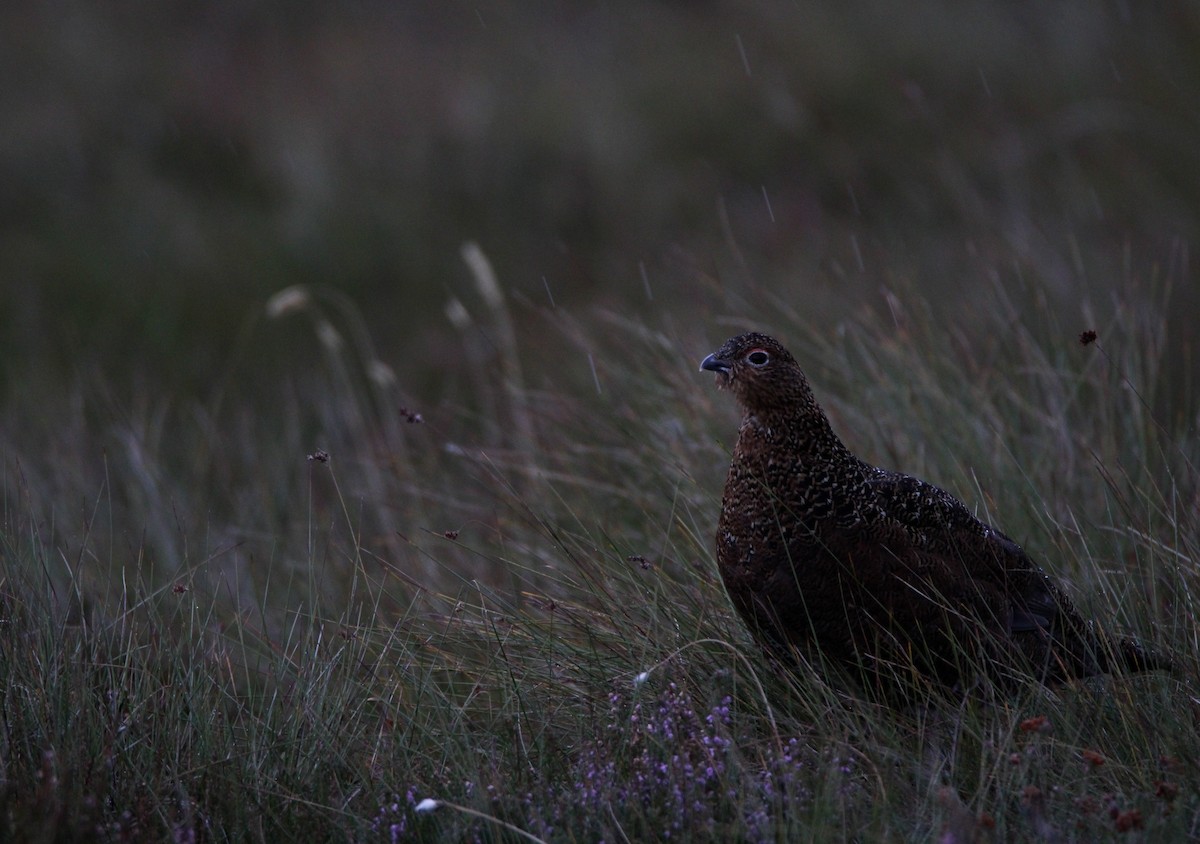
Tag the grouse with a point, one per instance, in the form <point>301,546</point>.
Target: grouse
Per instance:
<point>886,578</point>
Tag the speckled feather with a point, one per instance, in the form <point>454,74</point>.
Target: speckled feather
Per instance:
<point>881,573</point>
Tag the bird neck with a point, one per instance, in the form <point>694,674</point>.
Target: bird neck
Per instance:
<point>806,432</point>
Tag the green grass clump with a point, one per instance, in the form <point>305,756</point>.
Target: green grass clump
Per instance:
<point>300,616</point>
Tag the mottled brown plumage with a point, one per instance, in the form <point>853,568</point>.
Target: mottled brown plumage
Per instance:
<point>878,572</point>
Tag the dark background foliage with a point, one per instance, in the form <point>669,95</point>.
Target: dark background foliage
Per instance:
<point>166,167</point>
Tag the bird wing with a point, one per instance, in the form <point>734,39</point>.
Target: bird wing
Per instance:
<point>943,529</point>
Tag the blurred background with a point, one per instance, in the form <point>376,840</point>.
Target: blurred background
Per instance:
<point>166,167</point>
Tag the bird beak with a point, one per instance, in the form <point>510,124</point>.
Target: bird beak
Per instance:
<point>712,363</point>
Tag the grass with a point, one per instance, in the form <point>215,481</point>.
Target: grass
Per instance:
<point>300,615</point>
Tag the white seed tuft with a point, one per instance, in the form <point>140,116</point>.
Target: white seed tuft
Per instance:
<point>456,312</point>
<point>294,298</point>
<point>382,374</point>
<point>329,336</point>
<point>485,276</point>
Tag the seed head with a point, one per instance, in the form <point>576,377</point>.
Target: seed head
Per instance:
<point>329,336</point>
<point>287,300</point>
<point>381,373</point>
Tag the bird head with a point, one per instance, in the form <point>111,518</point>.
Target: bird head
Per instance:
<point>760,372</point>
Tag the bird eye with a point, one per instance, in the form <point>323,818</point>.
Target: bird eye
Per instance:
<point>757,358</point>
